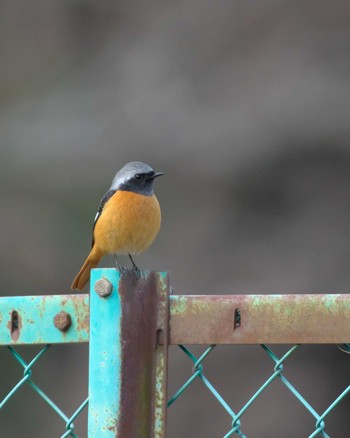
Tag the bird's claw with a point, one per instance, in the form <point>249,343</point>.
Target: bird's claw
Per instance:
<point>136,271</point>
<point>123,270</point>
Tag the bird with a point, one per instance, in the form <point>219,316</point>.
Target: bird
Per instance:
<point>127,220</point>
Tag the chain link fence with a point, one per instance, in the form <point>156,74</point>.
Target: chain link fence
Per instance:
<point>28,379</point>
<point>237,417</point>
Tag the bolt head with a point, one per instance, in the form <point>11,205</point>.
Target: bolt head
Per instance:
<point>62,321</point>
<point>103,287</point>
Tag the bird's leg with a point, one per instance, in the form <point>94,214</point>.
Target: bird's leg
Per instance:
<point>120,268</point>
<point>134,267</point>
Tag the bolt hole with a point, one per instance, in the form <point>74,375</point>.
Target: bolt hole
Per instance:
<point>236,319</point>
<point>14,321</point>
<point>160,337</point>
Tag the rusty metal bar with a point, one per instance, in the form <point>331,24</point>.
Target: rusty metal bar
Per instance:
<point>46,319</point>
<point>259,319</point>
<point>128,354</point>
<point>194,319</point>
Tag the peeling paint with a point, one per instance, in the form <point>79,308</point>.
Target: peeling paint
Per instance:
<point>310,318</point>
<point>35,319</point>
<point>129,396</point>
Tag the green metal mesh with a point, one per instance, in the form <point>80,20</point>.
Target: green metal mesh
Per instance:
<point>197,373</point>
<point>28,380</point>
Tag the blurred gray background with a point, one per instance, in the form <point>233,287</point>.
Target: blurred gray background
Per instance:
<point>245,107</point>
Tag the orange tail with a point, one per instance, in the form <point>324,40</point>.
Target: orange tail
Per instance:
<point>84,274</point>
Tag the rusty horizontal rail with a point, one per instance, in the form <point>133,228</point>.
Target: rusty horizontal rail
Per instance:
<point>260,319</point>
<point>194,319</point>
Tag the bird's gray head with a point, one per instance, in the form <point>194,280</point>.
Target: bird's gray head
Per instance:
<point>135,177</point>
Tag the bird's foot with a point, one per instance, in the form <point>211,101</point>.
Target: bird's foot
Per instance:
<point>123,270</point>
<point>120,268</point>
<point>136,271</point>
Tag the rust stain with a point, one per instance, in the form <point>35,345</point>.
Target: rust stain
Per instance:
<point>139,330</point>
<point>65,299</point>
<point>42,305</point>
<point>82,314</point>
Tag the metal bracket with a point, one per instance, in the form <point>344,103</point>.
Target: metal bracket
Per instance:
<point>128,355</point>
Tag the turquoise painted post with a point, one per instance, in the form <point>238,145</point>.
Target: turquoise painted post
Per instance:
<point>128,354</point>
<point>104,357</point>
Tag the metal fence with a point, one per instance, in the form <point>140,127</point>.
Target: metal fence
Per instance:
<point>129,324</point>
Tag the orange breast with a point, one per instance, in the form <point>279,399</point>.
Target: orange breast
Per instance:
<point>128,224</point>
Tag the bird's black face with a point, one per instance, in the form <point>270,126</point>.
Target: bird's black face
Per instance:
<point>141,182</point>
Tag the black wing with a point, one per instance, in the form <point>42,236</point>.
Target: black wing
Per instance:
<point>105,198</point>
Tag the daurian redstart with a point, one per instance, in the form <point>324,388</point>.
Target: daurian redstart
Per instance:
<point>127,221</point>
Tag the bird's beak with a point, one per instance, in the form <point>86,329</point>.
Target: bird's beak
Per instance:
<point>158,174</point>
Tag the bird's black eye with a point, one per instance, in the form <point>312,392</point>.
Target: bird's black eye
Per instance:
<point>138,177</point>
